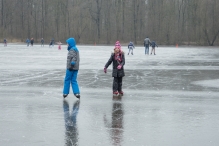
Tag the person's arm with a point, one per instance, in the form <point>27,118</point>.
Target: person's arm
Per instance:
<point>109,61</point>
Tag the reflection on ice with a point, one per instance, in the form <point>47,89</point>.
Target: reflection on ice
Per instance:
<point>115,127</point>
<point>71,123</point>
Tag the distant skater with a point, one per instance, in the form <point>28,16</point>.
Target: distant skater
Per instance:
<point>118,60</point>
<point>51,43</point>
<point>27,42</point>
<point>59,45</point>
<point>31,42</point>
<point>153,44</point>
<point>131,47</point>
<point>42,42</point>
<point>5,42</point>
<point>147,42</point>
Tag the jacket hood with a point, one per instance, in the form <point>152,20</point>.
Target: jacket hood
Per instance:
<point>72,43</point>
<point>130,43</point>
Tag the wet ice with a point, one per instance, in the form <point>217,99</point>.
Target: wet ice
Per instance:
<point>170,98</point>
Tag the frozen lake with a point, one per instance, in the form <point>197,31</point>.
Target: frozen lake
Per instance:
<point>170,98</point>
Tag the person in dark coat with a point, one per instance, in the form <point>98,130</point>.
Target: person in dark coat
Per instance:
<point>5,42</point>
<point>51,42</point>
<point>118,60</point>
<point>153,44</point>
<point>42,42</point>
<point>31,41</point>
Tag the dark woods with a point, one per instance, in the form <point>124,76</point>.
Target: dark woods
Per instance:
<point>169,22</point>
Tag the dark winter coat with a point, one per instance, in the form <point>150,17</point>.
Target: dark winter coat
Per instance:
<point>116,72</point>
<point>153,44</point>
<point>31,41</point>
<point>147,41</point>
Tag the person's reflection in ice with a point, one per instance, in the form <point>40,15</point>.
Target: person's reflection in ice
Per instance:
<point>116,125</point>
<point>71,123</point>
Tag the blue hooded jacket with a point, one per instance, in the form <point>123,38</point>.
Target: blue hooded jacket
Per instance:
<point>73,58</point>
<point>72,44</point>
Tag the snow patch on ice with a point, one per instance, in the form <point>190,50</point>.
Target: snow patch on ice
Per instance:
<point>208,83</point>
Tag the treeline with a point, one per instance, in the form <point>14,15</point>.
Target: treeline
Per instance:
<point>168,22</point>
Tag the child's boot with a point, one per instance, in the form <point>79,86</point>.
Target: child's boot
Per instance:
<point>121,93</point>
<point>115,93</point>
<point>77,95</point>
<point>65,95</point>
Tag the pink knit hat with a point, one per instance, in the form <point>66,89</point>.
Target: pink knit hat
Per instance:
<point>118,45</point>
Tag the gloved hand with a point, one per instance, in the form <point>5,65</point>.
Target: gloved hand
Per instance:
<point>105,70</point>
<point>119,66</point>
<point>72,63</point>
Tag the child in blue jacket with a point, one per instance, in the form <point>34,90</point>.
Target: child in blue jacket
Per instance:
<point>131,47</point>
<point>72,67</point>
<point>28,42</point>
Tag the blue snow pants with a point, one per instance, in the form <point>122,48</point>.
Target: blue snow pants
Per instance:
<point>71,78</point>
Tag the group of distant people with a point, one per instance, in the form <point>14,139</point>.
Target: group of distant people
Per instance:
<point>29,41</point>
<point>51,44</point>
<point>147,43</point>
<point>131,46</point>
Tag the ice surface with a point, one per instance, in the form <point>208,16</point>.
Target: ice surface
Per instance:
<point>170,98</point>
<point>208,83</point>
